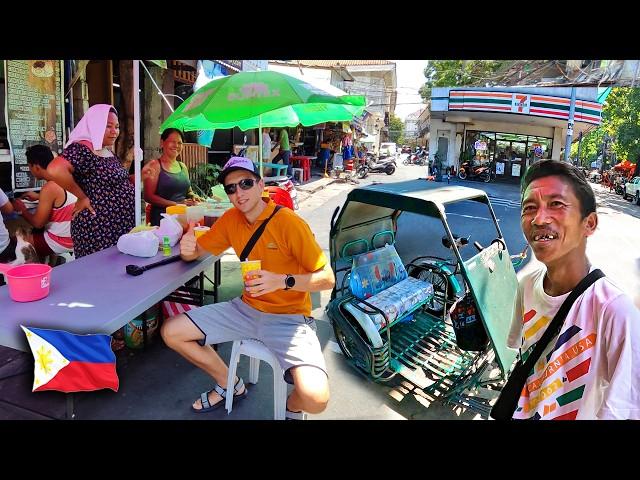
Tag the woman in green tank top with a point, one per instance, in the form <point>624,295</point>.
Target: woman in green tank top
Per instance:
<point>166,180</point>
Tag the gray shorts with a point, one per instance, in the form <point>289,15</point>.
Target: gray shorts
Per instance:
<point>292,338</point>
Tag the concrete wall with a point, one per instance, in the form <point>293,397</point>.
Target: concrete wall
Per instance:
<point>506,127</point>
<point>322,75</point>
<point>155,110</point>
<point>440,129</point>
<point>559,137</point>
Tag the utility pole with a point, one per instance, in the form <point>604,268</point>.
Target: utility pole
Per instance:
<point>572,110</point>
<point>605,140</point>
<point>578,163</point>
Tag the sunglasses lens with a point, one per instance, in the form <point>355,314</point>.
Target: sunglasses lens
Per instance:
<point>246,183</point>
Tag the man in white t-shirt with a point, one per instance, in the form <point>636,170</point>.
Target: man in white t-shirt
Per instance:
<point>7,245</point>
<point>591,370</point>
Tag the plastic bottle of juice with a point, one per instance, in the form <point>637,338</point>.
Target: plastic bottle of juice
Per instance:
<point>166,246</point>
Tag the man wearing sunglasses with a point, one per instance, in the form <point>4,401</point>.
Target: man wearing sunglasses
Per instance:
<point>275,306</point>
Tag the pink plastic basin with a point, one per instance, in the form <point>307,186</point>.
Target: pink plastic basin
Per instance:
<point>27,282</point>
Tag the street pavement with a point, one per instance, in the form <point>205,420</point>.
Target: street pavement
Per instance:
<point>158,384</point>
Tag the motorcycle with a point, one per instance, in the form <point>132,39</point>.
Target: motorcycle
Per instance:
<point>481,172</point>
<point>418,158</point>
<point>385,164</point>
<point>285,183</point>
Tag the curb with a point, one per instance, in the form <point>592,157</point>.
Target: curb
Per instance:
<point>308,193</point>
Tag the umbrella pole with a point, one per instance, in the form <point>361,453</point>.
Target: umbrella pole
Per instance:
<point>260,142</point>
<point>137,157</point>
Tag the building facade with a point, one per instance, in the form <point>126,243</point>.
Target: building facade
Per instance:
<point>507,126</point>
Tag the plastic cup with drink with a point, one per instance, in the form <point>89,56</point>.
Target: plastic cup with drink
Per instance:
<point>199,231</point>
<point>248,266</point>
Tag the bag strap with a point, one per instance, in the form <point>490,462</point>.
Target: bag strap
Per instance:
<point>520,373</point>
<point>558,319</point>
<point>256,235</point>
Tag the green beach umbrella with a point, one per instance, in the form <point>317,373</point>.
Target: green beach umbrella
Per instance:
<point>256,99</point>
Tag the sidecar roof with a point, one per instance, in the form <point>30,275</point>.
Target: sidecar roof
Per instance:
<point>418,196</point>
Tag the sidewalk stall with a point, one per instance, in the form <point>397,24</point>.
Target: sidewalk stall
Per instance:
<point>411,301</point>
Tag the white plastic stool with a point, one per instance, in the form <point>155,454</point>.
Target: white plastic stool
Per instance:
<point>256,351</point>
<point>298,174</point>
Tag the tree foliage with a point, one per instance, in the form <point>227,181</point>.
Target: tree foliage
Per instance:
<point>458,73</point>
<point>620,121</point>
<point>396,129</point>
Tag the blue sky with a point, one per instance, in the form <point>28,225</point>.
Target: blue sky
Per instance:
<point>410,78</point>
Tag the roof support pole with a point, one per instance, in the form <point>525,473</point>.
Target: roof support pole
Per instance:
<point>572,111</point>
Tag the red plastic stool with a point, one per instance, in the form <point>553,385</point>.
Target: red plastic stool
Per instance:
<point>305,163</point>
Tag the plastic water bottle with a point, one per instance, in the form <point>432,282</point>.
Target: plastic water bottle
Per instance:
<point>166,246</point>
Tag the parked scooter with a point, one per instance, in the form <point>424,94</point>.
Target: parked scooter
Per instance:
<point>383,165</point>
<point>285,183</point>
<point>420,157</point>
<point>481,172</point>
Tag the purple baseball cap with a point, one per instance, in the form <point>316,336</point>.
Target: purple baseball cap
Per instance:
<point>237,163</point>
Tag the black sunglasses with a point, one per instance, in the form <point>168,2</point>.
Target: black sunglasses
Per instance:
<point>245,184</point>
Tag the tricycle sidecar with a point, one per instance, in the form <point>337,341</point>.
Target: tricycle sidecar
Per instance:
<point>397,252</point>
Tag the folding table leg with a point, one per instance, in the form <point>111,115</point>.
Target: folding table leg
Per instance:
<point>70,414</point>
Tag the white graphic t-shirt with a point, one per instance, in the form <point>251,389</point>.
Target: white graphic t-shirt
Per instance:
<point>591,370</point>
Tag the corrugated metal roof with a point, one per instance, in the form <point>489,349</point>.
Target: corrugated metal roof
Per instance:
<point>335,63</point>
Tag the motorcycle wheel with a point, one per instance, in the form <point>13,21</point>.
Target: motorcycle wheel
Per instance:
<point>462,175</point>
<point>438,279</point>
<point>389,170</point>
<point>405,161</point>
<point>361,173</point>
<point>486,177</point>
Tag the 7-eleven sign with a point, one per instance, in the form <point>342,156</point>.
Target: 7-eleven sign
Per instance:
<point>520,103</point>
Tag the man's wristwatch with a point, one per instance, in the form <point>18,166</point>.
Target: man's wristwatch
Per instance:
<point>289,281</point>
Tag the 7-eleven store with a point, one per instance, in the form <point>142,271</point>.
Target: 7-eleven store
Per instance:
<point>509,126</point>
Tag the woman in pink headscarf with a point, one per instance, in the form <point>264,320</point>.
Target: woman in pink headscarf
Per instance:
<point>89,169</point>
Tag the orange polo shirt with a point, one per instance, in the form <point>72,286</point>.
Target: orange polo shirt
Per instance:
<point>286,246</point>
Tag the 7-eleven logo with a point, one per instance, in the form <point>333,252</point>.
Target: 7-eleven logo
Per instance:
<point>520,103</point>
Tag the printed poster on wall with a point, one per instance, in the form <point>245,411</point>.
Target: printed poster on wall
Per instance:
<point>34,112</point>
<point>499,168</point>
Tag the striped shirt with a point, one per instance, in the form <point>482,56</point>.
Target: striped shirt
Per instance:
<point>57,232</point>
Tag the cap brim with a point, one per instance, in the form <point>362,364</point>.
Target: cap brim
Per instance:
<point>226,172</point>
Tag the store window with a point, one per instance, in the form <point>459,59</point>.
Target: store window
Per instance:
<point>479,147</point>
<point>510,153</point>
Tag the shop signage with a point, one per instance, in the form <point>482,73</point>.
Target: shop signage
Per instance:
<point>478,145</point>
<point>34,112</point>
<point>524,104</point>
<point>499,168</point>
<point>237,64</point>
<point>537,150</point>
<point>520,103</point>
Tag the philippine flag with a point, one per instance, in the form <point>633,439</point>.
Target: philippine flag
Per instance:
<point>71,363</point>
